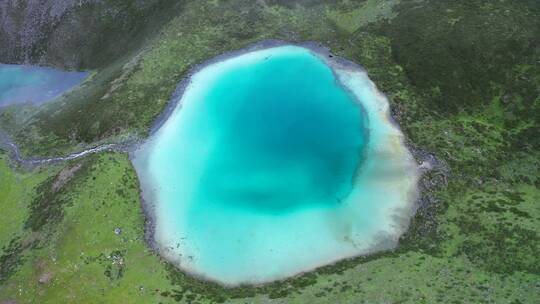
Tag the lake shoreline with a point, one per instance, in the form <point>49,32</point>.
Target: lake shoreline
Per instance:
<point>323,53</point>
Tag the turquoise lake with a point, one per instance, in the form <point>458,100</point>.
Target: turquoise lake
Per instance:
<point>275,162</point>
<point>34,85</point>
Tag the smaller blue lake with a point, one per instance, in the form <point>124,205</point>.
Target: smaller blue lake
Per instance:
<point>34,85</point>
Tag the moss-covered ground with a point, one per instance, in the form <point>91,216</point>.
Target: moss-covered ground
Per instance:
<point>463,79</point>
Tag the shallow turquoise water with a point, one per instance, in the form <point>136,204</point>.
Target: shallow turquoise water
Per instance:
<point>255,175</point>
<point>35,85</point>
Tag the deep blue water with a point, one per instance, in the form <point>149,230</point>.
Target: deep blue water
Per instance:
<point>278,142</point>
<point>34,85</point>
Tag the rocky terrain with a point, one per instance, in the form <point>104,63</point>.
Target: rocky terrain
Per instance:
<point>74,34</point>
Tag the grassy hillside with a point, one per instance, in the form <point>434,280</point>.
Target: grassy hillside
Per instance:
<point>463,80</point>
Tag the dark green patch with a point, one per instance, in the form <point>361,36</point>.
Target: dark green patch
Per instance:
<point>10,259</point>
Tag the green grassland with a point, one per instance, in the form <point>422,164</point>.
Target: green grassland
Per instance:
<point>17,189</point>
<point>463,79</point>
<point>75,249</point>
